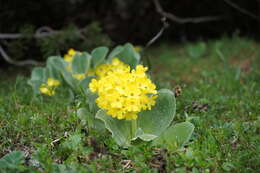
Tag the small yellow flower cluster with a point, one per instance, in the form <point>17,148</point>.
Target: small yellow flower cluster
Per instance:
<point>79,76</point>
<point>48,88</point>
<point>105,69</point>
<point>122,92</point>
<point>69,56</point>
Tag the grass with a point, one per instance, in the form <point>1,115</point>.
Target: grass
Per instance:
<point>220,96</point>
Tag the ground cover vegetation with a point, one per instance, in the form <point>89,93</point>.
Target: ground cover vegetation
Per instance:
<point>217,89</point>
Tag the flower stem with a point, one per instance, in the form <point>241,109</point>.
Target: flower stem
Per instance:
<point>134,127</point>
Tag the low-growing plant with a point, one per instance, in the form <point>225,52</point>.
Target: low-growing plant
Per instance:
<point>118,92</point>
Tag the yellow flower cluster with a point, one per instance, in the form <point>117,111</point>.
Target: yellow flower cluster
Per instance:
<point>122,92</point>
<point>69,56</point>
<point>48,88</point>
<point>79,76</point>
<point>116,65</point>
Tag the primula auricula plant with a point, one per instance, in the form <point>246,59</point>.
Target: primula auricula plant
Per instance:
<point>123,92</point>
<point>118,92</point>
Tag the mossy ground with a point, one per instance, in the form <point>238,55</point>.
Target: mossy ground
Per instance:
<point>219,93</point>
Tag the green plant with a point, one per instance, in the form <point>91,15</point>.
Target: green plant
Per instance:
<point>86,73</point>
<point>12,162</point>
<point>223,110</point>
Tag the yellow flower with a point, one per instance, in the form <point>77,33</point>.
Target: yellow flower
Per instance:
<point>45,90</point>
<point>48,88</point>
<point>53,82</point>
<point>79,76</point>
<point>122,92</point>
<point>69,56</point>
<point>116,65</point>
<point>93,86</point>
<point>71,52</point>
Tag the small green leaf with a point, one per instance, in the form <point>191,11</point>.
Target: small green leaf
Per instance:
<point>81,63</point>
<point>38,73</point>
<point>115,52</point>
<point>57,62</point>
<point>38,77</point>
<point>120,129</point>
<point>85,116</point>
<point>175,136</point>
<point>156,120</point>
<point>60,65</point>
<point>128,55</point>
<point>99,55</point>
<point>146,137</point>
<point>70,80</point>
<point>12,160</point>
<point>84,83</point>
<point>91,100</point>
<point>88,118</point>
<point>53,67</point>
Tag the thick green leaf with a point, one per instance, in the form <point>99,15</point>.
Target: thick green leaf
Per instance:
<point>57,62</point>
<point>87,118</point>
<point>38,73</point>
<point>54,67</point>
<point>91,100</point>
<point>128,55</point>
<point>60,65</point>
<point>175,136</point>
<point>81,63</point>
<point>150,124</point>
<point>153,122</point>
<point>98,55</point>
<point>12,160</point>
<point>71,81</point>
<point>38,77</point>
<point>83,85</point>
<point>115,52</point>
<point>144,136</point>
<point>120,129</point>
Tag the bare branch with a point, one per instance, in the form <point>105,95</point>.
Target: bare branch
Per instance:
<point>158,35</point>
<point>18,63</point>
<point>241,10</point>
<point>177,19</point>
<point>41,32</point>
<point>10,36</point>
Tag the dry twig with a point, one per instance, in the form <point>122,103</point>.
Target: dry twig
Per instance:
<point>18,63</point>
<point>241,10</point>
<point>177,19</point>
<point>41,32</point>
<point>44,31</point>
